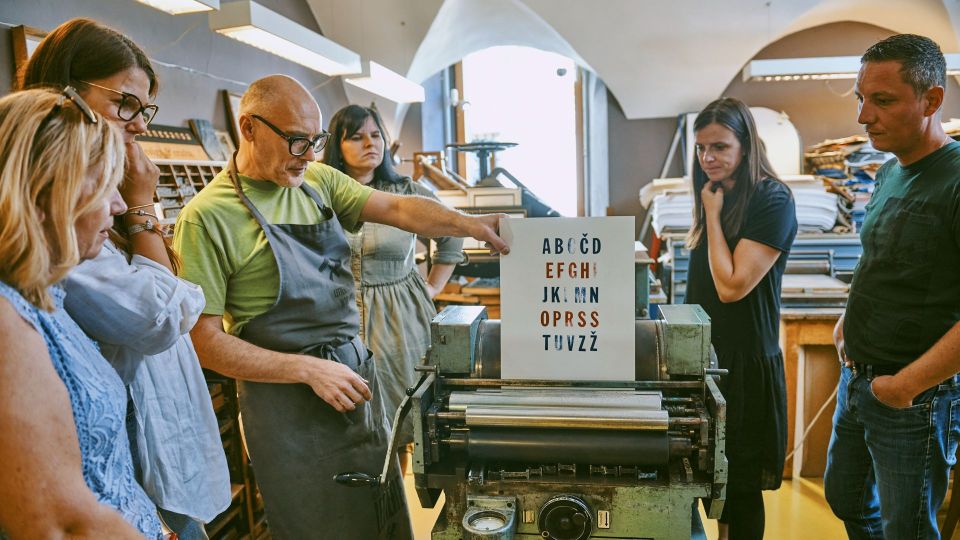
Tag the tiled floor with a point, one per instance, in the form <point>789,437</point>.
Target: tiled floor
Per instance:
<point>797,511</point>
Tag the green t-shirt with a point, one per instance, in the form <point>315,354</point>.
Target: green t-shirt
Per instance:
<point>906,289</point>
<point>225,251</point>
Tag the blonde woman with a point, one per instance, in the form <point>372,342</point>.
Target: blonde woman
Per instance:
<point>65,465</point>
<point>129,298</point>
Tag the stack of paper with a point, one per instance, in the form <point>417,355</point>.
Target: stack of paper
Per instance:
<point>816,208</point>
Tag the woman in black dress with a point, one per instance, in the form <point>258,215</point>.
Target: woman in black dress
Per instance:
<point>744,222</point>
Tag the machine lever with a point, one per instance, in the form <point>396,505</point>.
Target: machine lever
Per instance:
<point>360,479</point>
<point>357,479</point>
<point>426,368</point>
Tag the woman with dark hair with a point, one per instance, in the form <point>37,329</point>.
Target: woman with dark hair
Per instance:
<point>744,222</point>
<point>395,303</point>
<point>128,297</point>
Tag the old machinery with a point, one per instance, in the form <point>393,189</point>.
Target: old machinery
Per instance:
<point>569,459</point>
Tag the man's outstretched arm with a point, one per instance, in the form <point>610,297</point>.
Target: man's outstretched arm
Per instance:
<point>429,218</point>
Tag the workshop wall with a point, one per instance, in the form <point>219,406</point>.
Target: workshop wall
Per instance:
<point>819,109</point>
<point>193,62</point>
<point>822,109</point>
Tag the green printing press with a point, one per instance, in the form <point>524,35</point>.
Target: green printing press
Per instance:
<point>567,459</point>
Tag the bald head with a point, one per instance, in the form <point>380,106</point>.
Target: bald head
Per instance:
<point>275,112</point>
<point>278,95</point>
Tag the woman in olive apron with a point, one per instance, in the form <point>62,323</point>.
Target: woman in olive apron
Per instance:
<point>298,442</point>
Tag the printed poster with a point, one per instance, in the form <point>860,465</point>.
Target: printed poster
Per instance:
<point>567,299</point>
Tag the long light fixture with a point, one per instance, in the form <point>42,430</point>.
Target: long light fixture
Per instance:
<point>179,7</point>
<point>262,28</point>
<point>822,68</point>
<point>383,82</point>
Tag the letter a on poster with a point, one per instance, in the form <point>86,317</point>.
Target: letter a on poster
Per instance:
<point>567,299</point>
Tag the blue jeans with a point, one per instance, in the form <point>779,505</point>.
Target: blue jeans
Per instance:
<point>186,527</point>
<point>887,469</point>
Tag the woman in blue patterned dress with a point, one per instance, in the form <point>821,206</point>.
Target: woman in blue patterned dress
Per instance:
<point>65,465</point>
<point>395,302</point>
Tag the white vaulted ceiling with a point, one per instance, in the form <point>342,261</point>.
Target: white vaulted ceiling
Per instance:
<point>657,57</point>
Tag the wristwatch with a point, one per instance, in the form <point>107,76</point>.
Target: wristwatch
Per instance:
<point>148,225</point>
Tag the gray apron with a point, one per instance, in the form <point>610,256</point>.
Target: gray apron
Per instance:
<point>297,442</point>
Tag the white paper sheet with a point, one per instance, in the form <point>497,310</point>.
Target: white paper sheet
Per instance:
<point>567,299</point>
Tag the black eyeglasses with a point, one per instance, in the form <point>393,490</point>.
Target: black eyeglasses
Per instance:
<point>130,105</point>
<point>297,144</point>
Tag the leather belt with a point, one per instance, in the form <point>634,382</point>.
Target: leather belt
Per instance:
<point>875,370</point>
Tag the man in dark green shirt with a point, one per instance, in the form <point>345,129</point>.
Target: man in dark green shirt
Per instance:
<point>894,430</point>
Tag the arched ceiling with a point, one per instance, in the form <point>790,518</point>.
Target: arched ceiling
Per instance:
<point>657,57</point>
<point>466,26</point>
<point>663,57</point>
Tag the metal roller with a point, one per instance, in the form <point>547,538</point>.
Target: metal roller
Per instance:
<point>647,339</point>
<point>570,446</point>
<point>808,266</point>
<point>567,417</point>
<point>487,350</point>
<point>602,399</point>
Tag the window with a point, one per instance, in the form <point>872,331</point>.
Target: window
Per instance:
<point>526,96</point>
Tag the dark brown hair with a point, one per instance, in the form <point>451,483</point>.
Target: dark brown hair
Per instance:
<point>734,115</point>
<point>84,50</point>
<point>343,125</point>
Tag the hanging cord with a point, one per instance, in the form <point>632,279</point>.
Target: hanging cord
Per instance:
<point>193,71</point>
<point>324,83</point>
<point>812,422</point>
<point>174,42</point>
<point>844,94</point>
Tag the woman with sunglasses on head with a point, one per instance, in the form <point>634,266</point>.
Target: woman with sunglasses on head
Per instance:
<point>129,299</point>
<point>65,464</point>
<point>744,222</point>
<point>395,302</point>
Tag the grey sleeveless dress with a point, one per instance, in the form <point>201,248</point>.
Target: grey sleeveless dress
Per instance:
<point>395,307</point>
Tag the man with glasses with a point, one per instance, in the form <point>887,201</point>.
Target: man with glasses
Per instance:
<point>265,240</point>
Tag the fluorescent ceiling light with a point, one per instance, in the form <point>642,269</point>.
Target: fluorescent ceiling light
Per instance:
<point>256,25</point>
<point>823,68</point>
<point>179,7</point>
<point>383,82</point>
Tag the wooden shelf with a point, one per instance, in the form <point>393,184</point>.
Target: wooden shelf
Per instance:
<point>223,520</point>
<point>244,517</point>
<point>236,490</point>
<point>180,181</point>
<point>484,292</point>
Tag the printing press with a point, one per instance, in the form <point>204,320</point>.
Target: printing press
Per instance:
<point>566,459</point>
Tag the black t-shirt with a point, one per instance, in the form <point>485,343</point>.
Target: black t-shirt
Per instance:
<point>751,325</point>
<point>906,289</point>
